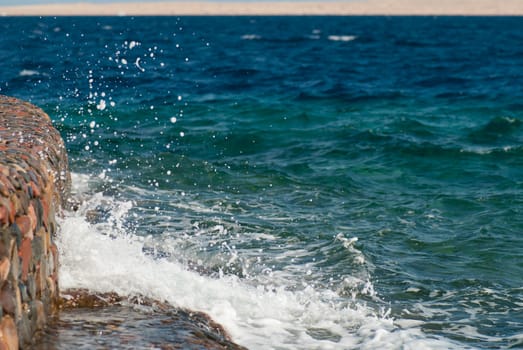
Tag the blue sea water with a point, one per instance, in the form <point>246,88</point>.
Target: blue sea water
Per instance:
<point>310,182</point>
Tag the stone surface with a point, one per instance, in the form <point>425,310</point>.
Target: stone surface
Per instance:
<point>9,336</point>
<point>109,321</point>
<point>5,266</point>
<point>34,184</point>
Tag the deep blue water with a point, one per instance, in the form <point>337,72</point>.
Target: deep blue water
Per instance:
<point>262,147</point>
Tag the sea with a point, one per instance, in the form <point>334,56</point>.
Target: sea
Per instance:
<point>308,182</point>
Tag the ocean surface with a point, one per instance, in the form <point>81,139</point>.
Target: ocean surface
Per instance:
<point>309,182</point>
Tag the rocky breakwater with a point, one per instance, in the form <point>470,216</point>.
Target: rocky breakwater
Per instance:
<point>34,189</point>
<point>34,184</point>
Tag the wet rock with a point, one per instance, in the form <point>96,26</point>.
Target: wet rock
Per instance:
<point>110,321</point>
<point>38,315</point>
<point>5,266</point>
<point>25,226</point>
<point>9,338</point>
<point>25,252</point>
<point>31,213</point>
<point>8,299</point>
<point>4,215</point>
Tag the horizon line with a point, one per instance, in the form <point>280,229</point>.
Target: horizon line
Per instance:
<point>272,8</point>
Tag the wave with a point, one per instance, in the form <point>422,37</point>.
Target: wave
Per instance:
<point>504,150</point>
<point>414,127</point>
<point>261,313</point>
<point>498,129</point>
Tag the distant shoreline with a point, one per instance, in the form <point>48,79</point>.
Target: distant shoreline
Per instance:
<point>354,8</point>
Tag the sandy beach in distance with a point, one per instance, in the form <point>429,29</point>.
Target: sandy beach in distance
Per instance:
<point>357,7</point>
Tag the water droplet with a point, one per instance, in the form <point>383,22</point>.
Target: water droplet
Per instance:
<point>101,105</point>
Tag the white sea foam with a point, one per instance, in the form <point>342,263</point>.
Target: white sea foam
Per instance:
<point>484,150</point>
<point>251,37</point>
<point>28,73</point>
<point>105,256</point>
<point>341,37</point>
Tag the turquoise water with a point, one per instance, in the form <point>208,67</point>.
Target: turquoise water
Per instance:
<point>311,182</point>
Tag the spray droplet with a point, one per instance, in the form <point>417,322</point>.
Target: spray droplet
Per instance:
<point>101,105</point>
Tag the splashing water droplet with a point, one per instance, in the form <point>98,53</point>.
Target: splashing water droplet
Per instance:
<point>101,105</point>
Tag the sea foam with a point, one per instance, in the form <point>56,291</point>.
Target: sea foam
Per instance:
<point>28,73</point>
<point>341,37</point>
<point>103,255</point>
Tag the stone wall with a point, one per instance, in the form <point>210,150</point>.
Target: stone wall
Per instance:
<point>34,184</point>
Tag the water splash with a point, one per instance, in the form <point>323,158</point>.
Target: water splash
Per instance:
<point>101,253</point>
